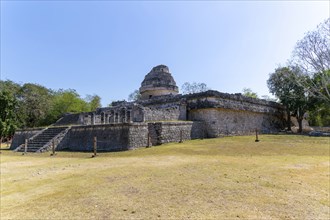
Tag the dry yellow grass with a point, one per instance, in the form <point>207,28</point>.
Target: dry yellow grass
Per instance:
<point>281,177</point>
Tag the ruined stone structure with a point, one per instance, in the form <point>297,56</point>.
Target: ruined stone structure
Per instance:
<point>157,82</point>
<point>162,115</point>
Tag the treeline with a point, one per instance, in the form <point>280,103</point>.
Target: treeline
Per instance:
<point>32,105</point>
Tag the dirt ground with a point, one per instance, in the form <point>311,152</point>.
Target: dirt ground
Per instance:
<point>280,177</point>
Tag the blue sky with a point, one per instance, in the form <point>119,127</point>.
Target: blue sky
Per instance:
<point>107,47</point>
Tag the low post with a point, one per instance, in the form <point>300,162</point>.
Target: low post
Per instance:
<point>203,131</point>
<point>25,146</point>
<point>148,137</point>
<point>95,147</point>
<point>257,139</point>
<point>53,149</point>
<point>181,139</point>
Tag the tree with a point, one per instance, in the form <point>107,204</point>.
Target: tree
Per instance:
<point>134,96</point>
<point>8,117</point>
<point>312,55</point>
<point>35,103</point>
<point>67,101</point>
<point>268,98</point>
<point>249,93</point>
<point>189,88</point>
<point>320,115</point>
<point>94,102</point>
<point>281,83</point>
<point>11,87</point>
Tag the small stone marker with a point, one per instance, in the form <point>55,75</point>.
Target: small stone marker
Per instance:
<point>181,139</point>
<point>95,147</point>
<point>53,149</point>
<point>25,146</point>
<point>149,144</point>
<point>257,140</point>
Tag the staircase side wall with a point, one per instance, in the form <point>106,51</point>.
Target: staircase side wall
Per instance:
<point>21,135</point>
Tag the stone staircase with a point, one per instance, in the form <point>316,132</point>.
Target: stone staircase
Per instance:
<point>43,141</point>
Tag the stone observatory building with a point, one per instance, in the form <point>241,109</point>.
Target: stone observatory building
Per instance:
<point>157,82</point>
<point>161,115</point>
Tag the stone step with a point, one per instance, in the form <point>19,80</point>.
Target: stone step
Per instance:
<point>42,139</point>
<point>29,150</point>
<point>38,141</point>
<point>35,145</point>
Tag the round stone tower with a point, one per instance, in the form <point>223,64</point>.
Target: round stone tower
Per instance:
<point>157,82</point>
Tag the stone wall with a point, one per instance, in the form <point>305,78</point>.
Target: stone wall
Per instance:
<point>222,122</point>
<point>127,125</point>
<point>167,108</point>
<point>21,135</point>
<point>162,114</point>
<point>235,102</point>
<point>215,99</point>
<point>70,119</point>
<point>166,132</point>
<point>118,137</point>
<point>110,137</point>
<point>138,135</point>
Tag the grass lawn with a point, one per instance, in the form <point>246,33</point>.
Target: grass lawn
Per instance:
<point>280,177</point>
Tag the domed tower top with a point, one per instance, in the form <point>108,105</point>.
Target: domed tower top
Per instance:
<point>157,82</point>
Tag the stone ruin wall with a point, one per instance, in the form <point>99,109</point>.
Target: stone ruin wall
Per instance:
<point>164,113</point>
<point>118,137</point>
<point>110,137</point>
<point>164,108</point>
<point>233,114</point>
<point>167,132</point>
<point>156,92</point>
<point>224,122</point>
<point>210,114</point>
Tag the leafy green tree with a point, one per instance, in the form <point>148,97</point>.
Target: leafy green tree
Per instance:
<point>11,87</point>
<point>67,101</point>
<point>319,113</point>
<point>35,103</point>
<point>281,83</point>
<point>249,93</point>
<point>8,117</point>
<point>94,102</point>
<point>268,98</point>
<point>190,88</point>
<point>134,96</point>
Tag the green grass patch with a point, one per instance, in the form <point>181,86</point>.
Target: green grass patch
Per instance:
<point>281,177</point>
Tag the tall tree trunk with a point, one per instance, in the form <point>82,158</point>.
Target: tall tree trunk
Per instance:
<point>300,119</point>
<point>288,119</point>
